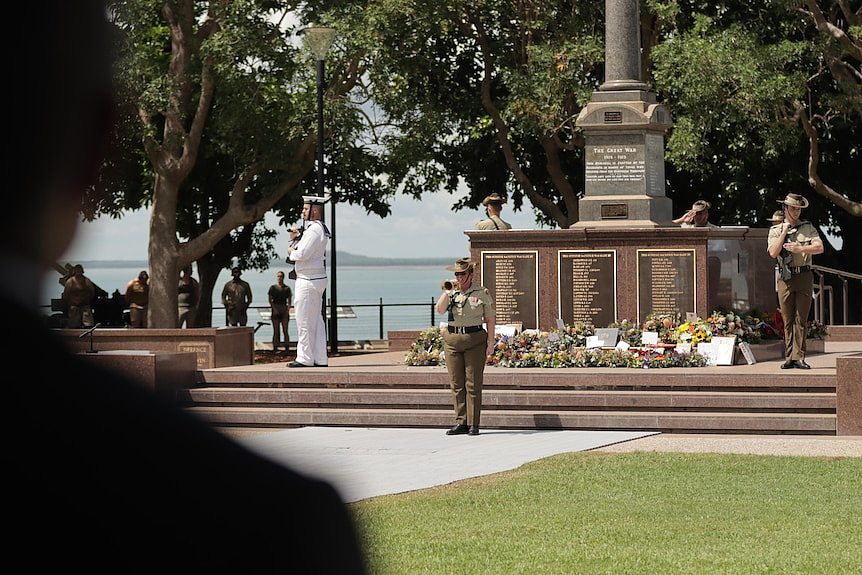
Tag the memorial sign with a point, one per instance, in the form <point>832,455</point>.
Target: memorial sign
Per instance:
<point>513,280</point>
<point>587,286</point>
<point>666,282</point>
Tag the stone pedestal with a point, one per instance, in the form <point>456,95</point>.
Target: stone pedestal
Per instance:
<point>162,372</point>
<point>213,347</point>
<point>624,161</point>
<point>849,395</point>
<point>603,274</point>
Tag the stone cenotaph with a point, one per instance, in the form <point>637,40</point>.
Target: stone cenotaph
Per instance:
<point>624,258</point>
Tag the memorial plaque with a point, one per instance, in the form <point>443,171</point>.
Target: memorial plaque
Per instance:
<point>203,349</point>
<point>513,280</point>
<point>614,117</point>
<point>618,164</point>
<point>615,211</point>
<point>588,286</point>
<point>666,282</point>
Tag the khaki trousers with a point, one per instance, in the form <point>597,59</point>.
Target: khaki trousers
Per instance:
<point>794,300</point>
<point>465,361</point>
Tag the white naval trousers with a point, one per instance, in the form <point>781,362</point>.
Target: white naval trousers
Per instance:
<point>308,305</point>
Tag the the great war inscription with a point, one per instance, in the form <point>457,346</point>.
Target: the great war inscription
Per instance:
<point>587,286</point>
<point>513,280</point>
<point>666,282</point>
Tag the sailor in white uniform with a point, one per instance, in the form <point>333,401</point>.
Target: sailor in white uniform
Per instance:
<point>307,251</point>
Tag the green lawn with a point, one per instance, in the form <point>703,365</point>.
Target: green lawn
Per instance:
<point>656,513</point>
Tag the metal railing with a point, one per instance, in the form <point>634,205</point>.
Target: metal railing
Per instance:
<point>823,294</point>
<point>368,321</point>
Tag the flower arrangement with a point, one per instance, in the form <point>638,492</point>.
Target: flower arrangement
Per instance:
<point>566,346</point>
<point>746,328</point>
<point>693,332</point>
<point>664,324</point>
<point>816,330</point>
<point>630,332</point>
<point>427,349</point>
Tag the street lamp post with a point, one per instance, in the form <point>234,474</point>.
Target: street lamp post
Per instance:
<point>318,39</point>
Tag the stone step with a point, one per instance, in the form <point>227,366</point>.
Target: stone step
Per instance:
<point>664,421</point>
<point>511,399</point>
<point>694,379</point>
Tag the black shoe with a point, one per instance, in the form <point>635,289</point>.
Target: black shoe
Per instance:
<point>458,430</point>
<point>788,364</point>
<point>800,363</point>
<point>321,365</point>
<point>473,430</point>
<point>297,364</point>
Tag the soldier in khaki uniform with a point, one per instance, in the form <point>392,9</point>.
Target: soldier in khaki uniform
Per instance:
<point>792,243</point>
<point>493,208</point>
<point>466,343</point>
<point>78,293</point>
<point>138,298</point>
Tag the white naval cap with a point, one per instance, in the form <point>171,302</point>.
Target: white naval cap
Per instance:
<point>315,199</point>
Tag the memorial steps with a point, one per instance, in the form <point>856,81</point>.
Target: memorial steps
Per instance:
<point>377,390</point>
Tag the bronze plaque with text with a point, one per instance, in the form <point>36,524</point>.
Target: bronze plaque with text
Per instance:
<point>615,211</point>
<point>513,280</point>
<point>587,287</point>
<point>666,282</point>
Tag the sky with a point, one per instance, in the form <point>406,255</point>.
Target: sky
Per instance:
<point>426,229</point>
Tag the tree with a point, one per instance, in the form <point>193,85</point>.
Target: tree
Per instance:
<point>767,99</point>
<point>484,92</point>
<point>216,83</point>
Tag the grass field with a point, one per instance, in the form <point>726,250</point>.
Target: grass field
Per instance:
<point>652,513</point>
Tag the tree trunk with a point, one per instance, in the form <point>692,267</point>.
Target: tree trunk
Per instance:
<point>163,255</point>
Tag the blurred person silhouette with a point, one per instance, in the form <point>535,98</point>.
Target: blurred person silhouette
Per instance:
<point>280,298</point>
<point>138,299</point>
<point>108,476</point>
<point>236,297</point>
<point>78,293</point>
<point>188,294</point>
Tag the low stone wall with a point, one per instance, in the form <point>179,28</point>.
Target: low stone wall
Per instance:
<point>163,372</point>
<point>214,347</point>
<point>401,340</point>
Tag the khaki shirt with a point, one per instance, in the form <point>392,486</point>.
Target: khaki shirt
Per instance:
<point>236,293</point>
<point>137,294</point>
<point>79,291</point>
<point>489,224</point>
<point>804,233</point>
<point>472,307</point>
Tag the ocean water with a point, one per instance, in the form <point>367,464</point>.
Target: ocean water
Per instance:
<point>407,293</point>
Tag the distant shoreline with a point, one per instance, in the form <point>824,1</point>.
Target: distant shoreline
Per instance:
<point>344,259</point>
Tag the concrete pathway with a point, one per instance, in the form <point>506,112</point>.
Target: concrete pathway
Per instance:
<point>369,462</point>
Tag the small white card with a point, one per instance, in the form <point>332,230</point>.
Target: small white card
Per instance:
<point>560,324</point>
<point>593,341</point>
<point>505,330</point>
<point>747,353</point>
<point>724,347</point>
<point>649,337</point>
<point>708,351</point>
<point>683,348</point>
<point>608,336</point>
<point>623,345</point>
